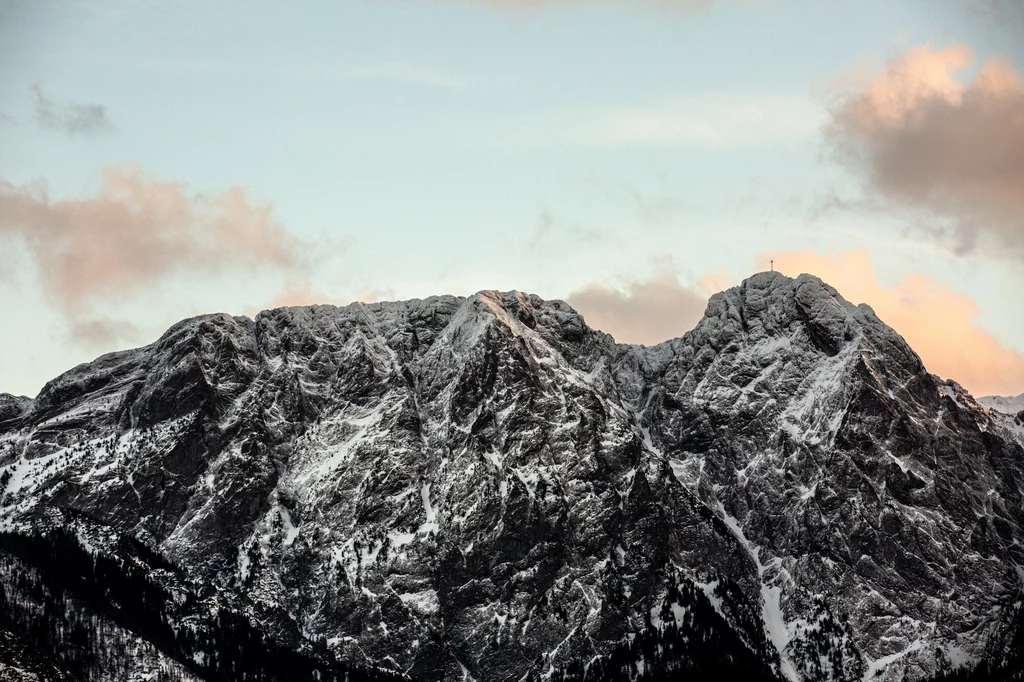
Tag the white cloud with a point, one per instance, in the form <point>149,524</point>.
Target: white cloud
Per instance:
<point>719,120</point>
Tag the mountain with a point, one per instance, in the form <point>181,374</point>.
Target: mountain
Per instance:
<point>485,488</point>
<point>1009,412</point>
<point>1004,404</point>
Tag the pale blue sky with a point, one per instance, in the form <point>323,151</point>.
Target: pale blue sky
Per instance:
<point>444,146</point>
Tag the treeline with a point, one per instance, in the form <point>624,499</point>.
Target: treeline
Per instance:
<point>1004,655</point>
<point>76,609</point>
<point>70,614</point>
<point>701,647</point>
<point>697,645</point>
<point>91,648</point>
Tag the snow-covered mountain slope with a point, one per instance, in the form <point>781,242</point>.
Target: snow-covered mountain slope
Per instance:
<point>1008,412</point>
<point>485,488</point>
<point>1003,404</point>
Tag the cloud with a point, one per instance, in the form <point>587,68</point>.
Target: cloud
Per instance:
<point>654,208</point>
<point>549,232</point>
<point>70,118</point>
<point>937,321</point>
<point>646,311</point>
<point>303,292</point>
<point>925,141</point>
<point>409,73</point>
<point>720,120</point>
<point>134,233</point>
<point>393,71</point>
<point>1005,14</point>
<point>300,293</point>
<point>97,332</point>
<point>685,5</point>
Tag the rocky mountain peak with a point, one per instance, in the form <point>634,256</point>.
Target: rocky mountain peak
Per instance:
<point>770,305</point>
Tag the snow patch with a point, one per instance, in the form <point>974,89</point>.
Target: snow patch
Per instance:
<point>291,531</point>
<point>397,539</point>
<point>430,526</point>
<point>709,591</point>
<point>424,601</point>
<point>878,665</point>
<point>774,620</point>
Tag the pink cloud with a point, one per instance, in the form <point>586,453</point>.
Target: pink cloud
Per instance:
<point>303,292</point>
<point>134,232</point>
<point>925,140</point>
<point>646,311</point>
<point>137,229</point>
<point>683,4</point>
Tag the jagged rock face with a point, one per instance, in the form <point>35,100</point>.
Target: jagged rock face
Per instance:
<point>860,477</point>
<point>487,487</point>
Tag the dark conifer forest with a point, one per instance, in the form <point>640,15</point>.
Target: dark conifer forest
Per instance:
<point>66,613</point>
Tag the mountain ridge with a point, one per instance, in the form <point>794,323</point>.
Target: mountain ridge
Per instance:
<point>485,485</point>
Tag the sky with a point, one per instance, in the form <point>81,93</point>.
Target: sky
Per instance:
<point>160,160</point>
